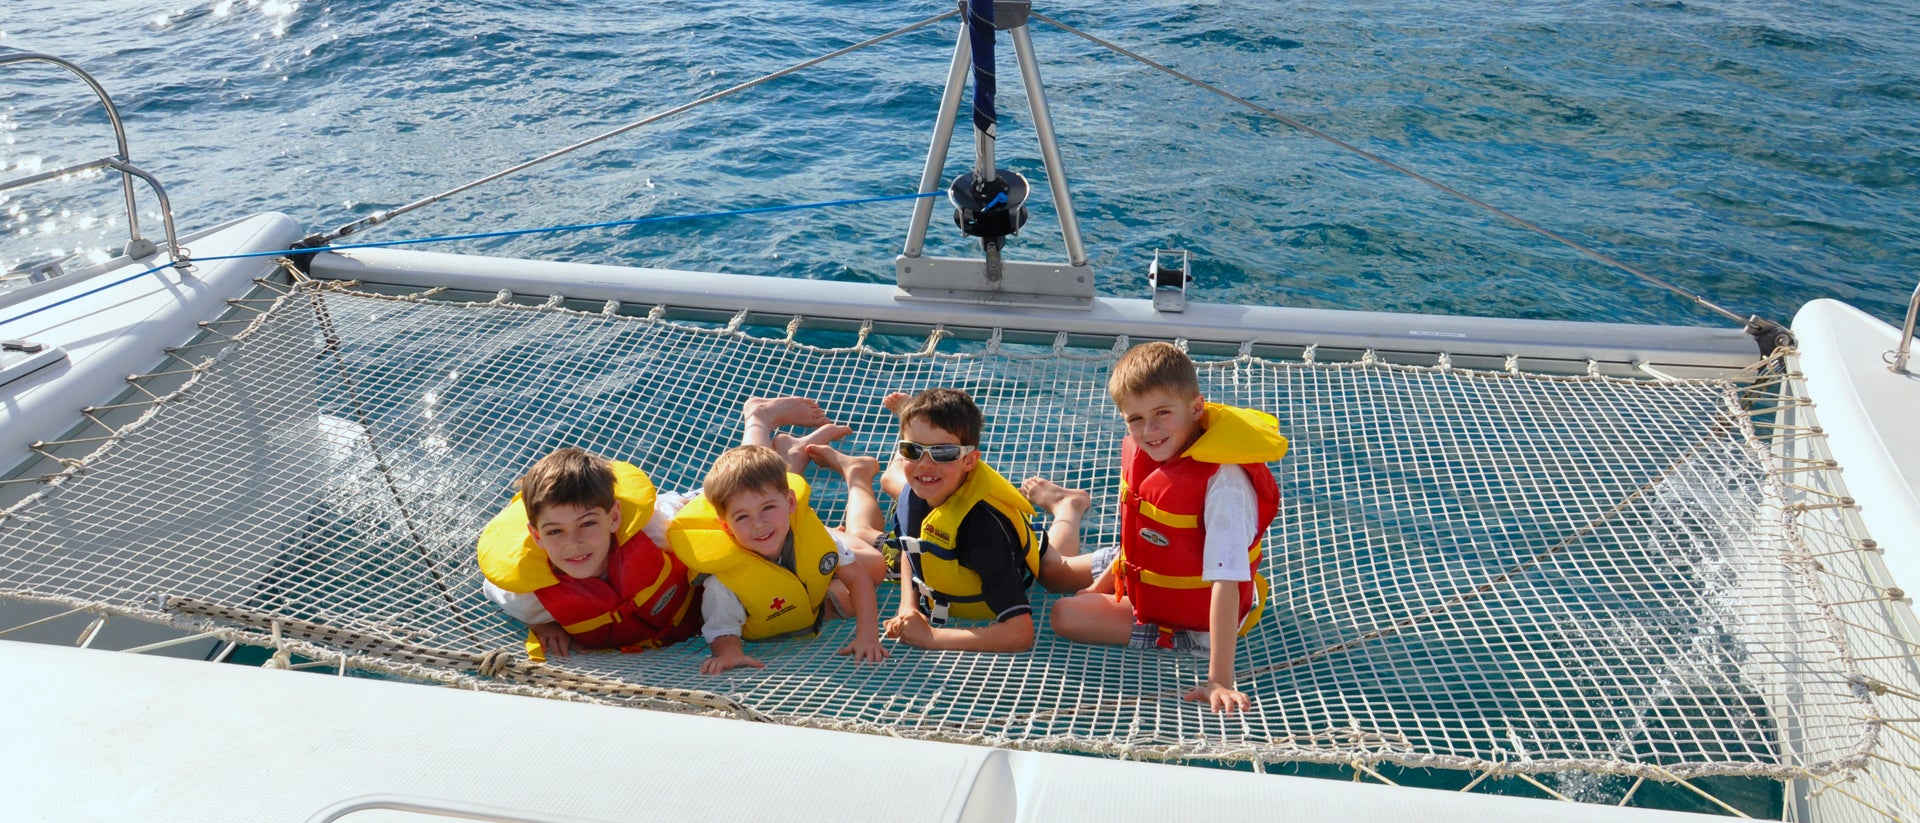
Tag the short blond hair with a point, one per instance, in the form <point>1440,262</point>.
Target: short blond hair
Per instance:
<point>1153,366</point>
<point>569,476</point>
<point>740,470</point>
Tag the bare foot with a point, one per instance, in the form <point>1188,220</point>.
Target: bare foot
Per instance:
<point>774,412</point>
<point>857,469</point>
<point>895,401</point>
<point>794,449</point>
<point>1054,498</point>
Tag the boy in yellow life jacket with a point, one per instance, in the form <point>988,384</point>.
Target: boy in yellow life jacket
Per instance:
<point>969,550</point>
<point>771,568</point>
<point>1197,498</point>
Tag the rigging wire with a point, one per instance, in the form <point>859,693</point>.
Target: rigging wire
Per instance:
<point>376,219</point>
<point>1753,323</point>
<point>484,235</point>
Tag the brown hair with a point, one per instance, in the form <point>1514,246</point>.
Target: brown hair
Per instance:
<point>1153,366</point>
<point>949,410</point>
<point>569,476</point>
<point>743,469</point>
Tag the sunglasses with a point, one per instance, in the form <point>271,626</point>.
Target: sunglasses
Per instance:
<point>943,453</point>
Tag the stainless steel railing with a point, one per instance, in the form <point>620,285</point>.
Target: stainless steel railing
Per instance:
<point>137,246</point>
<point>1905,351</point>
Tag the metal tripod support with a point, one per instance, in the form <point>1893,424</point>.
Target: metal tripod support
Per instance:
<point>969,280</point>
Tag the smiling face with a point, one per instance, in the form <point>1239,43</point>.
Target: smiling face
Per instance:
<point>576,538</point>
<point>1162,423</point>
<point>760,518</point>
<point>934,482</point>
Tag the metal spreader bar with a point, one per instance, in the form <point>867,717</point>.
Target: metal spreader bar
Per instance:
<point>989,201</point>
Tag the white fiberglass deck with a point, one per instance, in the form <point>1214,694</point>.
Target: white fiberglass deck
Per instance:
<point>174,736</point>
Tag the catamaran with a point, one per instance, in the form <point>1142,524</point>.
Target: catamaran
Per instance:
<point>1523,568</point>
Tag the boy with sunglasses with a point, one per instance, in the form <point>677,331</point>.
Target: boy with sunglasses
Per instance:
<point>968,550</point>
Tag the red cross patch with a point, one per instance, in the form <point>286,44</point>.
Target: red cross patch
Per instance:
<point>778,604</point>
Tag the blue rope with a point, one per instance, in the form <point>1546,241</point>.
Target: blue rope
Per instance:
<point>483,236</point>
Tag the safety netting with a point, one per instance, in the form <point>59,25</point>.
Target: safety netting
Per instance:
<point>1471,569</point>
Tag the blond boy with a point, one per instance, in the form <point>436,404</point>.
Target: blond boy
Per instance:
<point>773,569</point>
<point>1196,503</point>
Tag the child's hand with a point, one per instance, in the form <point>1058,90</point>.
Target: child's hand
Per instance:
<point>1223,699</point>
<point>733,659</point>
<point>865,648</point>
<point>912,629</point>
<point>553,640</point>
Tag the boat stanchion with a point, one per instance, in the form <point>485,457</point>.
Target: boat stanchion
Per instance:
<point>1897,359</point>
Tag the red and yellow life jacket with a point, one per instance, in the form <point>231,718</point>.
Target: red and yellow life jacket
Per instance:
<point>645,600</point>
<point>778,602</point>
<point>1162,530</point>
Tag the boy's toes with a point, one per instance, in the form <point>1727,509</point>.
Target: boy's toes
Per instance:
<point>785,411</point>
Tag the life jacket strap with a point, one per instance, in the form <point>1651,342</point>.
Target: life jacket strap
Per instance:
<point>936,607</point>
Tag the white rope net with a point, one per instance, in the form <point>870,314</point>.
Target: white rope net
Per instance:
<point>1489,571</point>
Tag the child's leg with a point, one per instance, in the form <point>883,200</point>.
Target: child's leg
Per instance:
<point>1091,617</point>
<point>864,522</point>
<point>1066,505</point>
<point>762,416</point>
<point>1066,574</point>
<point>794,449</point>
<point>894,481</point>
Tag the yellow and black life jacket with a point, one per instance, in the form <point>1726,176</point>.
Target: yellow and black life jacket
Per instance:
<point>953,589</point>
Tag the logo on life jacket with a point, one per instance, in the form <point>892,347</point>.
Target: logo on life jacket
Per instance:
<point>936,533</point>
<point>1153,537</point>
<point>778,607</point>
<point>829,562</point>
<point>660,603</point>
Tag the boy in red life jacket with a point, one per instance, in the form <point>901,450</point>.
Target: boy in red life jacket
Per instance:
<point>969,551</point>
<point>771,568</point>
<point>1197,499</point>
<point>568,556</point>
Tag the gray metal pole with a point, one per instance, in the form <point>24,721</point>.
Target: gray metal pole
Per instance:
<point>1049,149</point>
<point>937,151</point>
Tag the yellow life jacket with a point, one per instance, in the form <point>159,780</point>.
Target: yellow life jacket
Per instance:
<point>778,602</point>
<point>955,589</point>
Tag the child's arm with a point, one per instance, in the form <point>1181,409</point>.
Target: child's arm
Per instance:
<point>865,646</point>
<point>728,653</point>
<point>1223,628</point>
<point>1014,634</point>
<point>723,617</point>
<point>554,641</point>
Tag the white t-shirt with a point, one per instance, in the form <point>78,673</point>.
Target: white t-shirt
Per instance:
<point>1231,517</point>
<point>720,609</point>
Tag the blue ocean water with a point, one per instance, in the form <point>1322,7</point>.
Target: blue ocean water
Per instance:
<point>1761,152</point>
